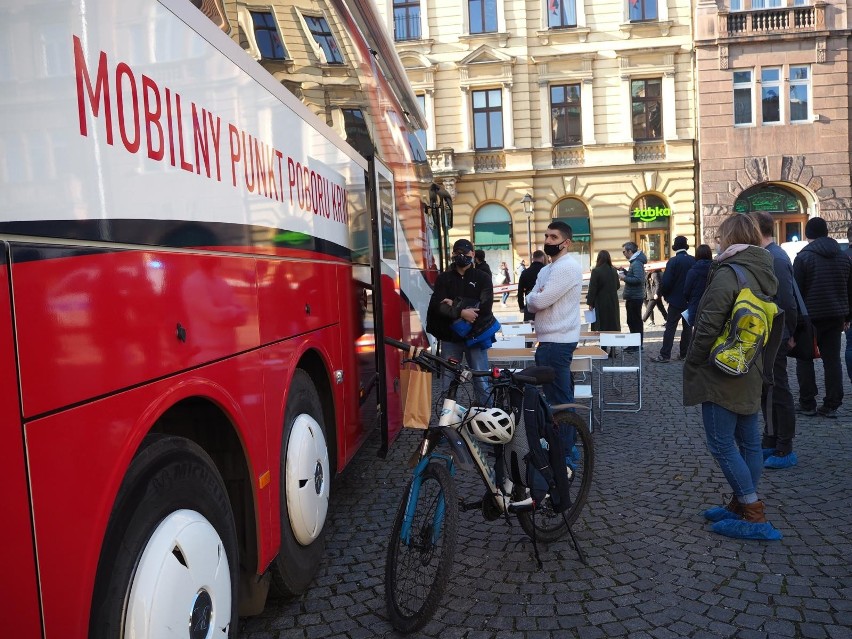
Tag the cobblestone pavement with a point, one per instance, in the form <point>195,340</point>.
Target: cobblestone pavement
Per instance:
<point>654,568</point>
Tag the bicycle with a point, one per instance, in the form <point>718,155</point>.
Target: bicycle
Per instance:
<point>423,537</point>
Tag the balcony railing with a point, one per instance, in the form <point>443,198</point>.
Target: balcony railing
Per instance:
<point>568,156</point>
<point>652,151</point>
<point>768,21</point>
<point>489,161</point>
<point>407,27</point>
<point>441,161</point>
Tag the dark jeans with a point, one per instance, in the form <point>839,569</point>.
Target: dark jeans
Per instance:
<point>780,433</point>
<point>634,315</point>
<point>849,353</point>
<point>828,332</point>
<point>561,391</point>
<point>672,321</point>
<point>650,305</point>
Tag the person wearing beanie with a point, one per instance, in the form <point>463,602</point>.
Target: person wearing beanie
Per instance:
<point>672,290</point>
<point>823,276</point>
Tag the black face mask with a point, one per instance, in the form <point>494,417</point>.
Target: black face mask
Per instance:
<point>462,260</point>
<point>552,250</point>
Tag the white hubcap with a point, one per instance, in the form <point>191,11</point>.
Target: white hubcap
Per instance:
<point>307,479</point>
<point>182,586</point>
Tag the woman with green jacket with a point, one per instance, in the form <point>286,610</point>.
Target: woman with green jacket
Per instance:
<point>729,404</point>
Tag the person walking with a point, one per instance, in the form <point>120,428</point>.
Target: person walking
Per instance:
<point>652,298</point>
<point>602,296</point>
<point>778,435</point>
<point>634,288</point>
<point>555,300</point>
<point>466,293</point>
<point>824,277</point>
<point>729,404</point>
<point>520,268</point>
<point>526,282</point>
<point>696,281</point>
<point>674,277</point>
<point>505,280</point>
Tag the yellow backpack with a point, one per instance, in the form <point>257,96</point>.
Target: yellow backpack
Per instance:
<point>746,333</point>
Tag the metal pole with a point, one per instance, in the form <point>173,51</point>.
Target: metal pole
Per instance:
<point>529,239</point>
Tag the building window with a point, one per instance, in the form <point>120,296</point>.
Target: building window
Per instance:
<point>421,133</point>
<point>642,10</point>
<point>742,98</point>
<point>322,34</point>
<point>565,114</point>
<point>488,119</point>
<point>482,15</point>
<point>561,14</point>
<point>357,133</point>
<point>647,109</point>
<point>800,94</point>
<point>406,20</point>
<point>765,4</point>
<point>770,95</point>
<point>267,37</point>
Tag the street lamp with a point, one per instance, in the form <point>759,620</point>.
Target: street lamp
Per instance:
<point>527,201</point>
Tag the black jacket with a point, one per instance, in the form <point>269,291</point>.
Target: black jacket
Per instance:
<point>785,297</point>
<point>526,283</point>
<point>472,289</point>
<point>483,266</point>
<point>674,277</point>
<point>824,276</point>
<point>693,288</point>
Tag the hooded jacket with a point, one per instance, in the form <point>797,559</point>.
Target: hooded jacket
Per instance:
<point>702,380</point>
<point>824,276</point>
<point>634,278</point>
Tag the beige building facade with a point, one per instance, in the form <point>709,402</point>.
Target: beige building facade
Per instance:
<point>773,81</point>
<point>587,107</point>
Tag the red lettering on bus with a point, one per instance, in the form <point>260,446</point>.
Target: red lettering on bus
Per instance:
<point>101,88</point>
<point>122,71</point>
<point>216,135</point>
<point>170,126</point>
<point>202,142</point>
<point>186,166</point>
<point>291,177</point>
<point>260,167</point>
<point>280,156</point>
<point>236,154</point>
<point>152,118</point>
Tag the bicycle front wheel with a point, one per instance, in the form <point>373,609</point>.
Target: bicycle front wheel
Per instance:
<point>546,524</point>
<point>418,568</point>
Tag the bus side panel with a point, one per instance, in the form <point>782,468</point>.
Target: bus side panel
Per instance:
<point>98,321</point>
<point>79,457</point>
<point>18,578</point>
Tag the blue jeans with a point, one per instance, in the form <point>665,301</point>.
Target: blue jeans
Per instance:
<point>849,353</point>
<point>734,441</point>
<point>561,391</point>
<point>477,359</point>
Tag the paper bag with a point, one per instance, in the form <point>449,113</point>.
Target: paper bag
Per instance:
<point>416,397</point>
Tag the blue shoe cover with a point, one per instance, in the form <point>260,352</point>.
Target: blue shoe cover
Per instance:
<point>787,461</point>
<point>719,513</point>
<point>574,455</point>
<point>767,453</point>
<point>739,529</point>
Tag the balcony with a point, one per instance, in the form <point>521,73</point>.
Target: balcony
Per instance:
<point>759,22</point>
<point>442,161</point>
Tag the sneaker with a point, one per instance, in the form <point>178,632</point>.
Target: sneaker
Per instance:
<point>824,411</point>
<point>809,412</point>
<point>779,462</point>
<point>660,360</point>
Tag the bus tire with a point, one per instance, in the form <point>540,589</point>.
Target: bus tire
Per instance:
<point>305,489</point>
<point>170,556</point>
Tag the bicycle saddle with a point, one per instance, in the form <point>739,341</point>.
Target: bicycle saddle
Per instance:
<point>536,375</point>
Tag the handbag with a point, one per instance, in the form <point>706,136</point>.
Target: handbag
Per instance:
<point>805,334</point>
<point>416,385</point>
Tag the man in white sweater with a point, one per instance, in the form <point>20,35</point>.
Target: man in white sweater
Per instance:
<point>555,300</point>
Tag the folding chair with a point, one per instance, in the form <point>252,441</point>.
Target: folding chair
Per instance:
<point>585,392</point>
<point>609,374</point>
<point>516,329</point>
<point>510,341</point>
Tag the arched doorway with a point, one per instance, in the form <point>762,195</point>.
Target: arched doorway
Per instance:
<point>650,221</point>
<point>576,215</point>
<point>492,232</point>
<point>787,207</point>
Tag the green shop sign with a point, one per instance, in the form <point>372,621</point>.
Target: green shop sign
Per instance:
<point>650,213</point>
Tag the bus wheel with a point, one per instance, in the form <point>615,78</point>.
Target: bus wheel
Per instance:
<point>305,489</point>
<point>170,556</point>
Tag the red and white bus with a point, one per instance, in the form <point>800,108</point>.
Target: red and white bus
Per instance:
<point>210,213</point>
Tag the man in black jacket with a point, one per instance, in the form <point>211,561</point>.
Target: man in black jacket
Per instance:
<point>824,277</point>
<point>465,293</point>
<point>671,288</point>
<point>526,283</point>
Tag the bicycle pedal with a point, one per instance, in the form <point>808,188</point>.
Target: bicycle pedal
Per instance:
<point>523,506</point>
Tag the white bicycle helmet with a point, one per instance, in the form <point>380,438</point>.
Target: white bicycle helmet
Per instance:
<point>491,425</point>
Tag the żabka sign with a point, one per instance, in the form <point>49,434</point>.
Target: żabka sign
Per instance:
<point>161,113</point>
<point>650,213</point>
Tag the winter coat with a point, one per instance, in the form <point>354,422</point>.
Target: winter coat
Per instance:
<point>472,289</point>
<point>483,266</point>
<point>526,282</point>
<point>603,297</point>
<point>634,279</point>
<point>702,380</point>
<point>652,286</point>
<point>693,288</point>
<point>674,277</point>
<point>785,297</point>
<point>824,276</point>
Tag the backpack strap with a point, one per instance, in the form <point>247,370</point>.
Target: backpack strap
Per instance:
<point>740,271</point>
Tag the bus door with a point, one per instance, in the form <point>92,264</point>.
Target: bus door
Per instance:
<point>18,577</point>
<point>387,298</point>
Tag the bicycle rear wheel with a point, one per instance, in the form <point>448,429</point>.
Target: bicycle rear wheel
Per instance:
<point>547,525</point>
<point>417,571</point>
